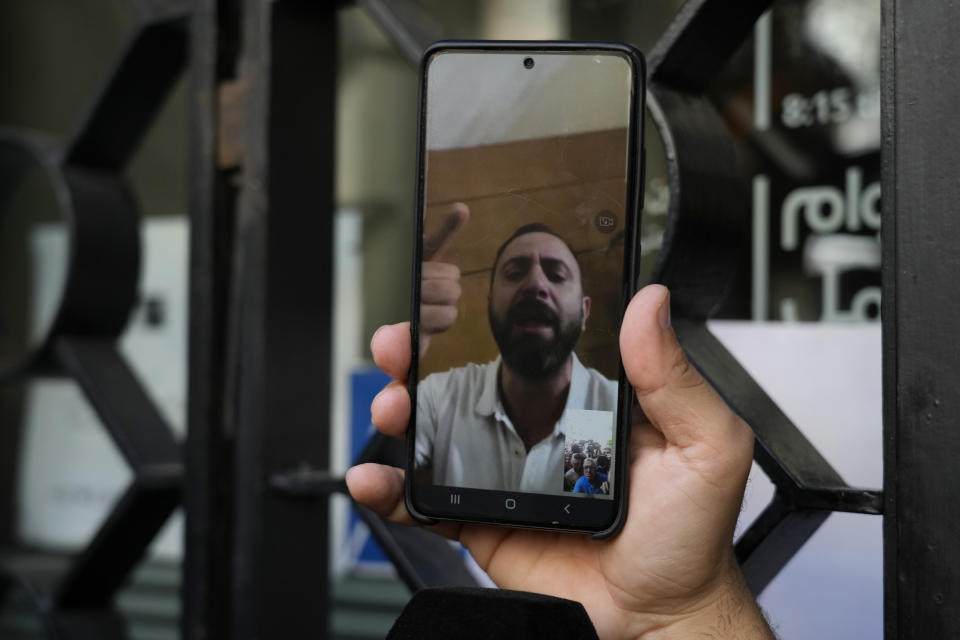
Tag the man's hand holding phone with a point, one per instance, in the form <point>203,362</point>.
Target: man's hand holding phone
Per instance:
<point>670,572</point>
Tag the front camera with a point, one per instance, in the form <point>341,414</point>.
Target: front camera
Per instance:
<point>528,63</point>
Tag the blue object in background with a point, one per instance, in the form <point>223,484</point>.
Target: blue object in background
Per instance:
<point>364,385</point>
<point>365,554</point>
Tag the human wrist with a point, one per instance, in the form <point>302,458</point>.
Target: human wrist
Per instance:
<point>728,612</point>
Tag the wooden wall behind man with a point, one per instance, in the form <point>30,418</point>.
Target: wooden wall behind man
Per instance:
<point>564,182</point>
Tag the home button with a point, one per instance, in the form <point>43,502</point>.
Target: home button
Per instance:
<point>510,503</point>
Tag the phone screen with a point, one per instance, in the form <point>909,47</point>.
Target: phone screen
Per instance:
<point>527,220</point>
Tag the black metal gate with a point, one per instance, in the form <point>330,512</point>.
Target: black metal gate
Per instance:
<point>254,472</point>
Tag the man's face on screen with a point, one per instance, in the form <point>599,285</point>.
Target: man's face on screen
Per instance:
<point>537,308</point>
<point>578,463</point>
<point>590,468</point>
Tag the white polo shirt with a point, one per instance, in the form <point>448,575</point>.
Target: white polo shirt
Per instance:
<point>463,429</point>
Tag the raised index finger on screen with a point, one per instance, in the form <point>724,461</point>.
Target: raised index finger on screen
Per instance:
<point>437,241</point>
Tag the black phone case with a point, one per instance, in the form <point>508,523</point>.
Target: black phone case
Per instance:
<point>636,169</point>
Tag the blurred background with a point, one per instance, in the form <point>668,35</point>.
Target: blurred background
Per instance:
<point>801,99</point>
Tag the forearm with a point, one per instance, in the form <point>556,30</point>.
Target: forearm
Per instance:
<point>731,613</point>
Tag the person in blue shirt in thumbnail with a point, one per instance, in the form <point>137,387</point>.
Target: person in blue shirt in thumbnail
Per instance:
<point>592,480</point>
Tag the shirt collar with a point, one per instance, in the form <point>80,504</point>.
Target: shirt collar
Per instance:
<point>489,404</point>
<point>489,400</point>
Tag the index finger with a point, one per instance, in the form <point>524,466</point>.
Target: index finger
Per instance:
<point>453,220</point>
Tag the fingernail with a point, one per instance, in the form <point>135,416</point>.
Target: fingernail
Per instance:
<point>664,313</point>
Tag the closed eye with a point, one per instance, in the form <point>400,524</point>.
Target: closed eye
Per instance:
<point>516,269</point>
<point>557,271</point>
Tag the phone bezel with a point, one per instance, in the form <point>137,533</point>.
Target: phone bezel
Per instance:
<point>635,184</point>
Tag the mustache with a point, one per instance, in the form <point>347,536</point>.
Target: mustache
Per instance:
<point>533,310</point>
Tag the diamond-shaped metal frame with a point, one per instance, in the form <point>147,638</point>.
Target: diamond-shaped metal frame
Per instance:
<point>102,219</point>
<point>263,80</point>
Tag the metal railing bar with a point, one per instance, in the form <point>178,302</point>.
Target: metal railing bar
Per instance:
<point>408,27</point>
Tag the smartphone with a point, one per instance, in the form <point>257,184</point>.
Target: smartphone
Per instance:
<point>529,184</point>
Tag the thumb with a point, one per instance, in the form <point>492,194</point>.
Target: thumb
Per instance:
<point>676,399</point>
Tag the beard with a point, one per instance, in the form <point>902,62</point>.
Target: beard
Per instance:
<point>530,355</point>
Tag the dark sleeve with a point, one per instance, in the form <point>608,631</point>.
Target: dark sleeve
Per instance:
<point>475,614</point>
